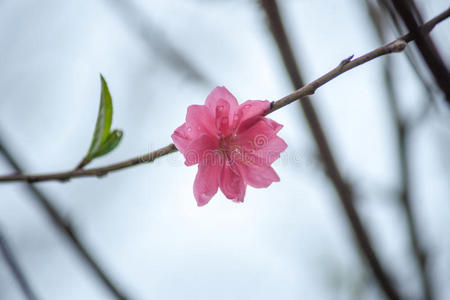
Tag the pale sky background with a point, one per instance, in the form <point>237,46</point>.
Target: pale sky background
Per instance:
<point>289,241</point>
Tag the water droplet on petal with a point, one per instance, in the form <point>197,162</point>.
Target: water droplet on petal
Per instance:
<point>189,128</point>
<point>220,107</point>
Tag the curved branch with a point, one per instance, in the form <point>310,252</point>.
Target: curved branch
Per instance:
<point>309,89</point>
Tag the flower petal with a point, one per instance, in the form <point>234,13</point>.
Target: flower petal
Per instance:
<point>218,93</point>
<point>248,113</point>
<point>206,183</point>
<point>181,138</point>
<point>259,144</point>
<point>201,149</point>
<point>200,120</point>
<point>258,176</point>
<point>231,183</point>
<point>271,152</point>
<point>222,117</point>
<point>274,125</point>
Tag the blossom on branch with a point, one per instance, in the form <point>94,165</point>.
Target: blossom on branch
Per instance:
<point>234,145</point>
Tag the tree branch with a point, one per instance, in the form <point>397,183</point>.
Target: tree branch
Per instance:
<point>99,172</point>
<point>15,269</point>
<point>309,89</point>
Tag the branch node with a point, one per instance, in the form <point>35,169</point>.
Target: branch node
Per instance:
<point>397,46</point>
<point>101,174</point>
<point>64,179</point>
<point>346,61</point>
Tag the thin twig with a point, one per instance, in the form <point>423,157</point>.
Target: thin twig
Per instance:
<point>16,270</point>
<point>309,89</point>
<point>59,222</point>
<point>402,132</point>
<point>344,66</point>
<point>99,172</point>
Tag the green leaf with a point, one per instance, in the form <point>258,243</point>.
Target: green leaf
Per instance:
<point>103,141</point>
<point>111,142</point>
<point>104,119</point>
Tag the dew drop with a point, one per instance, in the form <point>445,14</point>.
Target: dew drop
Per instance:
<point>189,128</point>
<point>220,107</point>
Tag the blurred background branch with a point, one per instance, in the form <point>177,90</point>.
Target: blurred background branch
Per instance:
<point>386,7</point>
<point>154,39</point>
<point>342,187</point>
<point>407,9</point>
<point>62,225</point>
<point>403,157</point>
<point>16,270</point>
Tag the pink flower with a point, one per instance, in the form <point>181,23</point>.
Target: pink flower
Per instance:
<point>233,145</point>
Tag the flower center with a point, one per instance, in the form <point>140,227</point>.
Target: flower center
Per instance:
<point>231,150</point>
